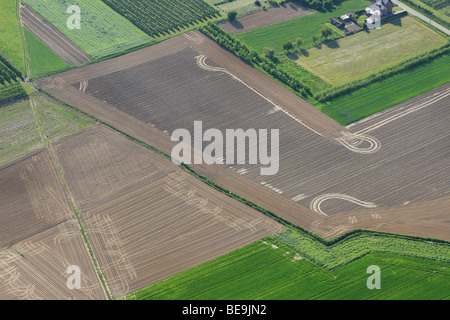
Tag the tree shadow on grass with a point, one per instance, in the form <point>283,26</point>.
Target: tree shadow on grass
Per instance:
<point>332,44</point>
<point>296,55</point>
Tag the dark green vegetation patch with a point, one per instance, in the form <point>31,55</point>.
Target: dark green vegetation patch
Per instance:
<point>161,17</point>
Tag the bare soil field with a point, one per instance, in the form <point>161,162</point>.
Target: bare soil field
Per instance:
<point>166,227</point>
<point>36,268</point>
<point>325,168</point>
<point>429,219</point>
<point>266,17</point>
<point>32,198</point>
<point>147,219</point>
<point>52,38</point>
<point>99,165</point>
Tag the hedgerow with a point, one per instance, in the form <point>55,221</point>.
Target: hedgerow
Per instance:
<point>252,57</point>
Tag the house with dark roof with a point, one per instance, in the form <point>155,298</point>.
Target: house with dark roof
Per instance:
<point>336,22</point>
<point>381,7</point>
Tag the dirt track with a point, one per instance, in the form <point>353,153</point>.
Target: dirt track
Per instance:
<point>264,18</point>
<point>52,38</point>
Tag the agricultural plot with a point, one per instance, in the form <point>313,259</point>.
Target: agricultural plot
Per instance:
<point>10,39</point>
<point>389,92</point>
<point>359,55</point>
<point>112,166</point>
<point>240,6</point>
<point>157,18</point>
<point>33,198</point>
<point>249,274</point>
<point>305,27</point>
<point>36,268</point>
<point>146,219</point>
<point>397,160</point>
<point>264,18</point>
<point>19,127</point>
<point>10,88</point>
<point>43,61</point>
<point>103,31</point>
<point>59,54</point>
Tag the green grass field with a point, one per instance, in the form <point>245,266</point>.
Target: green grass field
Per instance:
<point>361,54</point>
<point>389,92</point>
<point>305,27</point>
<point>270,269</point>
<point>10,40</point>
<point>19,132</point>
<point>103,31</point>
<point>43,61</point>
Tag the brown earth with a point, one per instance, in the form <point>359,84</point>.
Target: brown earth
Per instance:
<point>264,18</point>
<point>429,219</point>
<point>122,90</point>
<point>39,238</point>
<point>145,218</point>
<point>36,268</point>
<point>32,198</point>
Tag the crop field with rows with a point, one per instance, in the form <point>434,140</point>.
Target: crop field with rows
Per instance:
<point>158,18</point>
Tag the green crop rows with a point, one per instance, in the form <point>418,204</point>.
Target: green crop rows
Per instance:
<point>103,31</point>
<point>277,268</point>
<point>160,17</point>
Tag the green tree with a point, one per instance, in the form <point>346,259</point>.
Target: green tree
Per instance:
<point>232,15</point>
<point>314,39</point>
<point>288,46</point>
<point>269,52</point>
<point>326,32</point>
<point>299,42</point>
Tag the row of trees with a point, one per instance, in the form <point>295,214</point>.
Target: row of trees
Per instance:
<point>252,57</point>
<point>326,33</point>
<point>11,92</point>
<point>159,17</point>
<point>7,71</point>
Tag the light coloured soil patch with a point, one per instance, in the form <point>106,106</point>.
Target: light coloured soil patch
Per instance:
<point>361,54</point>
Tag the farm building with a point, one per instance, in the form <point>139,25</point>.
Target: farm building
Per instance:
<point>335,21</point>
<point>381,7</point>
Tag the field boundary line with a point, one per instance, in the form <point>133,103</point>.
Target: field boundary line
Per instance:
<point>71,199</point>
<point>421,105</point>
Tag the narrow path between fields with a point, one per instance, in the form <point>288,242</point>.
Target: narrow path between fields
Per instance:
<point>421,16</point>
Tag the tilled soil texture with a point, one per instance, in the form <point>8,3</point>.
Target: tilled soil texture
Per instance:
<point>146,218</point>
<point>264,18</point>
<point>32,198</point>
<point>39,235</point>
<point>52,38</point>
<point>43,267</point>
<point>394,157</point>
